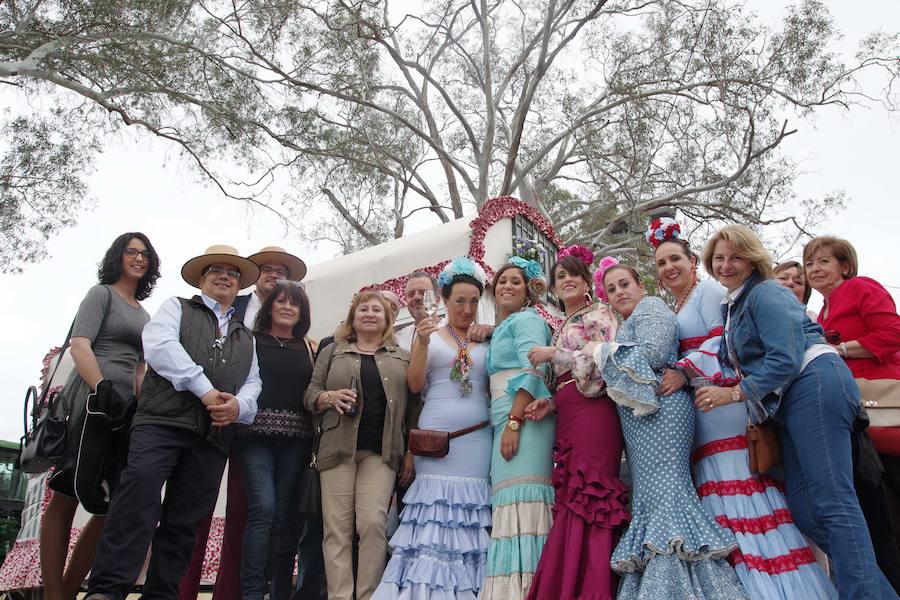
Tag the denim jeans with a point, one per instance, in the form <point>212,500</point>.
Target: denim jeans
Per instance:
<point>270,468</point>
<point>816,419</point>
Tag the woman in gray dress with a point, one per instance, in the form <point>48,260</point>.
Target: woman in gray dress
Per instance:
<point>106,347</point>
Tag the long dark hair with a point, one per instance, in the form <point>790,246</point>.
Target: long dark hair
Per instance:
<point>110,270</point>
<point>298,296</point>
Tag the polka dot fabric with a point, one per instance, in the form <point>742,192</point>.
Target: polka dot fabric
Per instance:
<point>673,548</point>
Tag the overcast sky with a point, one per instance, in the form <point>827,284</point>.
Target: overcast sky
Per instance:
<point>141,184</point>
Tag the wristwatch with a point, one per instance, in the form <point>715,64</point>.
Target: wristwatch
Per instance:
<point>736,394</point>
<point>515,422</point>
<point>327,398</point>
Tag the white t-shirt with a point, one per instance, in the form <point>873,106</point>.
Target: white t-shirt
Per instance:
<point>252,309</point>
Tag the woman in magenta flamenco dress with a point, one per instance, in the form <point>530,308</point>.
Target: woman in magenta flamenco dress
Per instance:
<point>590,500</point>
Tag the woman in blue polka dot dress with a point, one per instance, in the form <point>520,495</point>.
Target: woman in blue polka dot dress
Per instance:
<point>673,549</point>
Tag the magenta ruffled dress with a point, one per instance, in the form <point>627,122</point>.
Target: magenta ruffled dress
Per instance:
<point>590,507</point>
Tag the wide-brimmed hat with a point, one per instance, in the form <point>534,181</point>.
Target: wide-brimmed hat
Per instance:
<point>274,254</point>
<point>193,269</point>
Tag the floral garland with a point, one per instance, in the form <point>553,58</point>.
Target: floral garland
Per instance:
<point>494,210</point>
<point>505,207</point>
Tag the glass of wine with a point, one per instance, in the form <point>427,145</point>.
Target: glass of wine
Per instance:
<point>429,303</point>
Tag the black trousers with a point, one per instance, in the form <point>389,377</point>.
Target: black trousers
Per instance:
<point>191,469</point>
<point>872,482</point>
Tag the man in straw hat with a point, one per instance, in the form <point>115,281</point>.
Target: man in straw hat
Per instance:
<point>275,264</point>
<point>202,377</point>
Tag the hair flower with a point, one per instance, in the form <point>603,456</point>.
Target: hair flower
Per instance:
<point>461,265</point>
<point>580,252</point>
<point>606,263</point>
<point>662,229</point>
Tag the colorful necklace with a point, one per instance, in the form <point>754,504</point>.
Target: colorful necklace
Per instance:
<point>461,363</point>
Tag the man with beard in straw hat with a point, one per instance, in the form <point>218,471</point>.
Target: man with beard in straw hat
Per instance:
<point>202,377</point>
<point>275,264</point>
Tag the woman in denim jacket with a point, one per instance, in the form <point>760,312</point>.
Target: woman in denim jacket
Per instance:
<point>791,376</point>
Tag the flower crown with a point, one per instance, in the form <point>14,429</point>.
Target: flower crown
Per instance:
<point>580,252</point>
<point>606,263</point>
<point>461,265</point>
<point>663,229</point>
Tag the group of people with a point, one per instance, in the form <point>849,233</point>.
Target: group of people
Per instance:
<point>501,443</point>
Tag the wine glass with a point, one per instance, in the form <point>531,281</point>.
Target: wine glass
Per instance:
<point>429,303</point>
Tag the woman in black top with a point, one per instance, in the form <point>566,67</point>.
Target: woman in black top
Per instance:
<point>276,446</point>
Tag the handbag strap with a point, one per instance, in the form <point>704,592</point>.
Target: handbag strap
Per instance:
<point>62,350</point>
<point>469,429</point>
<point>32,394</point>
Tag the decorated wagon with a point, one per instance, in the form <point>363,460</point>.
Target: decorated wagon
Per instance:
<point>489,238</point>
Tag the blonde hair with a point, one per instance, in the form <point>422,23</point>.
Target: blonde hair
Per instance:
<point>841,249</point>
<point>746,243</point>
<point>345,331</point>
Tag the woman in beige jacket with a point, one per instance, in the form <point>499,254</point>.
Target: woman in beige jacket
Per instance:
<point>358,392</point>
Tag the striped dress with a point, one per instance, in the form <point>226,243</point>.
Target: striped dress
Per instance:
<point>521,490</point>
<point>773,560</point>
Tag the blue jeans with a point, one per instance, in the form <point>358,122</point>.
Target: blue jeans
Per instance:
<point>270,467</point>
<point>816,419</point>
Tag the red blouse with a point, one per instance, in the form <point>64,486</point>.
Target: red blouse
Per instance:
<point>861,309</point>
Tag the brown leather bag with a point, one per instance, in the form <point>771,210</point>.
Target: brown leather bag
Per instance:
<point>436,444</point>
<point>763,446</point>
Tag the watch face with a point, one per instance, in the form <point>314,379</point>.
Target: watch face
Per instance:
<point>514,425</point>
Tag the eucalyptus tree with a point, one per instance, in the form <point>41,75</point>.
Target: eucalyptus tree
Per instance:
<point>368,113</point>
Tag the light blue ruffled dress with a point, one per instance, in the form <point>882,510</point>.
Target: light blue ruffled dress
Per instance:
<point>440,547</point>
<point>522,492</point>
<point>673,549</point>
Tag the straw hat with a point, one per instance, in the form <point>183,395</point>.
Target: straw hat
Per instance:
<point>228,255</point>
<point>274,254</point>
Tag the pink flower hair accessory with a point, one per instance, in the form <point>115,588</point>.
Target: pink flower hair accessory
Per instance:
<point>662,229</point>
<point>606,263</point>
<point>580,252</point>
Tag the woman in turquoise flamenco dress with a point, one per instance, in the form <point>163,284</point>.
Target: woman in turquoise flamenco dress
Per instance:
<point>521,460</point>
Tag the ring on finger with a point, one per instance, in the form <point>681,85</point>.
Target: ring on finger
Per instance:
<point>709,402</point>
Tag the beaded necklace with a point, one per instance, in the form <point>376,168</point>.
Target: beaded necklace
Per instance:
<point>461,363</point>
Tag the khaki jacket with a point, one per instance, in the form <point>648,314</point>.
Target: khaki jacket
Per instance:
<point>335,365</point>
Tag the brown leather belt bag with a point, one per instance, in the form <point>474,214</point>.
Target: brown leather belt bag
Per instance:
<point>436,444</point>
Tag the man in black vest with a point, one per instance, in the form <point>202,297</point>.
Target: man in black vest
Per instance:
<point>275,264</point>
<point>202,377</point>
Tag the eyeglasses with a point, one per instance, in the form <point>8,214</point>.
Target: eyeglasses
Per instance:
<point>133,252</point>
<point>298,284</point>
<point>277,270</point>
<point>217,270</point>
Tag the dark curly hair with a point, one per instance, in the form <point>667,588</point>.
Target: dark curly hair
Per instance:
<point>110,269</point>
<point>297,295</point>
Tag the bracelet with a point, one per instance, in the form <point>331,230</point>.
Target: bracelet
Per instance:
<point>843,348</point>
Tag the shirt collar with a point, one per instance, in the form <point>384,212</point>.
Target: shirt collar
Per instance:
<point>731,297</point>
<point>214,306</point>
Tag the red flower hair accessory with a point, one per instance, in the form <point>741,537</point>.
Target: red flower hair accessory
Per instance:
<point>606,263</point>
<point>580,252</point>
<point>662,229</point>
